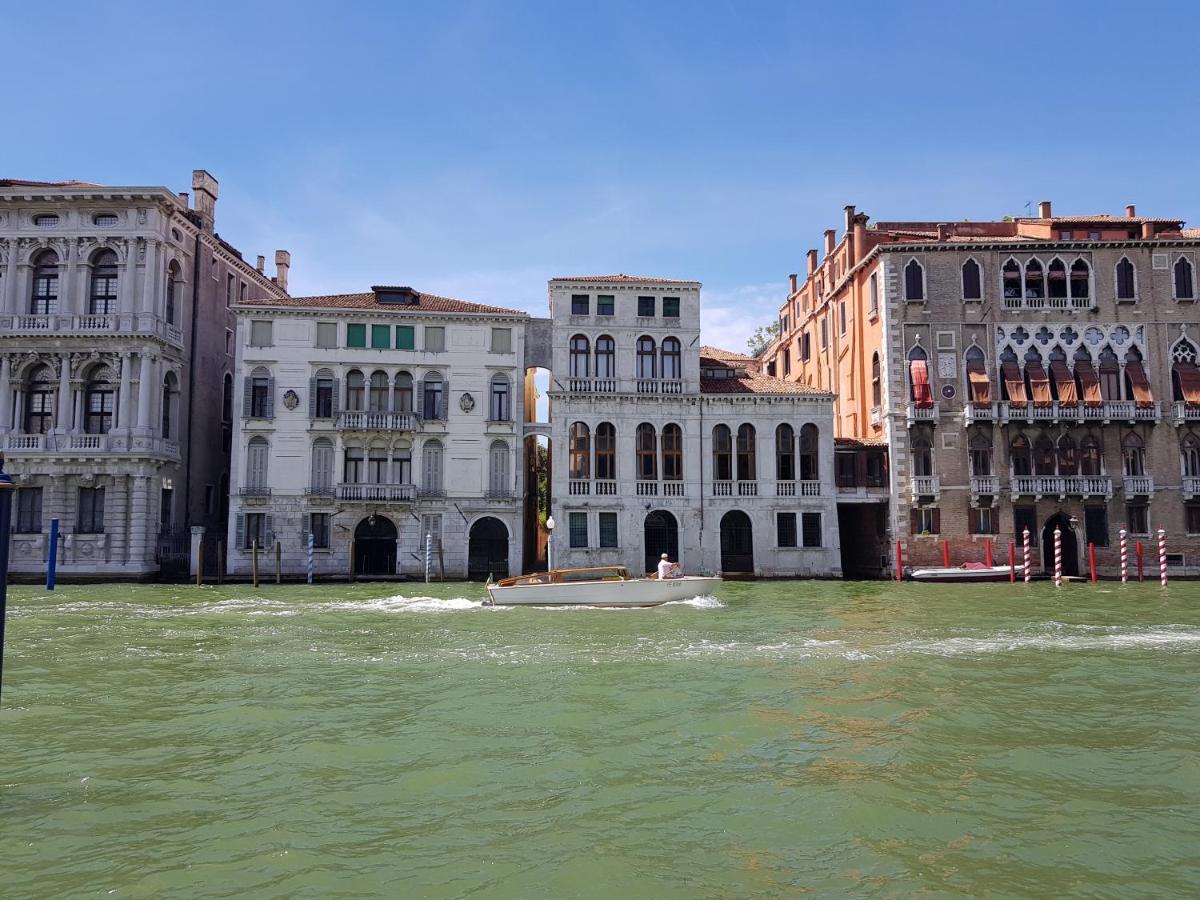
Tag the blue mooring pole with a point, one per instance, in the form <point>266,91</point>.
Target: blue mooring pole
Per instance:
<point>52,568</point>
<point>7,487</point>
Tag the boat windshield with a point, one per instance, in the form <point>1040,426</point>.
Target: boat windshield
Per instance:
<point>606,573</point>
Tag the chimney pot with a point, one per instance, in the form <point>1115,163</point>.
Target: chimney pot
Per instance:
<point>943,232</point>
<point>183,195</point>
<point>261,264</point>
<point>792,281</point>
<point>830,240</point>
<point>1044,210</point>
<point>1130,211</point>
<point>1147,230</point>
<point>812,261</point>
<point>283,261</point>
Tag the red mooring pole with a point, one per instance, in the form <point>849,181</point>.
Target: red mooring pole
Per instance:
<point>1012,563</point>
<point>987,547</point>
<point>1092,560</point>
<point>1139,555</point>
<point>946,554</point>
<point>899,562</point>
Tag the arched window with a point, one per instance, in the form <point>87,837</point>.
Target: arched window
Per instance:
<point>646,367</point>
<point>377,464</point>
<point>1090,462</point>
<point>606,357</point>
<point>809,459</point>
<point>499,409</point>
<point>102,298</point>
<point>1185,377</point>
<point>99,401</point>
<point>579,439</point>
<point>257,453</point>
<point>1057,279</point>
<point>876,383</point>
<point>980,446</point>
<point>1189,449</point>
<point>498,469</point>
<point>1126,279</point>
<point>354,390</point>
<point>354,465</point>
<point>433,401</point>
<point>922,456</point>
<point>1011,278</point>
<point>1081,278</point>
<point>402,399</point>
<point>43,300</point>
<point>785,453</point>
<point>431,468</point>
<point>1185,287</point>
<point>606,451</point>
<point>1110,375</point>
<point>170,396</point>
<point>672,359</point>
<point>1019,457</point>
<point>1035,280</point>
<point>321,479</point>
<point>722,441</point>
<point>920,391</point>
<point>1068,457</point>
<point>579,356</point>
<point>972,282</point>
<point>747,468</point>
<point>39,401</point>
<point>1133,452</point>
<point>672,452</point>
<point>377,398</point>
<point>914,281</point>
<point>173,276</point>
<point>1043,456</point>
<point>646,450</point>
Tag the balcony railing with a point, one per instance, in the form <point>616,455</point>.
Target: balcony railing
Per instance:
<point>361,420</point>
<point>1191,486</point>
<point>319,490</point>
<point>722,488</point>
<point>922,413</point>
<point>1185,412</point>
<point>498,493</point>
<point>674,489</point>
<point>747,488</point>
<point>1048,303</point>
<point>984,485</point>
<point>26,441</point>
<point>377,493</point>
<point>801,488</point>
<point>577,487</point>
<point>88,443</point>
<point>592,385</point>
<point>785,489</point>
<point>876,415</point>
<point>1062,485</point>
<point>1139,485</point>
<point>926,486</point>
<point>254,490</point>
<point>976,414</point>
<point>659,386</point>
<point>1110,410</point>
<point>647,488</point>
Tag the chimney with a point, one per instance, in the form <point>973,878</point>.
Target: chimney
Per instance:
<point>283,261</point>
<point>792,283</point>
<point>1131,211</point>
<point>851,237</point>
<point>261,264</point>
<point>1044,209</point>
<point>830,241</point>
<point>812,261</point>
<point>183,195</point>
<point>1147,231</point>
<point>860,237</point>
<point>943,232</point>
<point>205,188</point>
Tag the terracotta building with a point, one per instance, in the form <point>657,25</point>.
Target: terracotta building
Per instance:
<point>1035,372</point>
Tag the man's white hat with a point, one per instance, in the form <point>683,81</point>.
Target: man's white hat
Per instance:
<point>664,556</point>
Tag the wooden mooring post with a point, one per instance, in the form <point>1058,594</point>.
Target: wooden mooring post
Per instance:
<point>278,563</point>
<point>254,562</point>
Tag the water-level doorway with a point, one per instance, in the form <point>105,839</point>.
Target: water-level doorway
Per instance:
<point>375,547</point>
<point>737,543</point>
<point>1070,545</point>
<point>487,550</point>
<point>661,535</point>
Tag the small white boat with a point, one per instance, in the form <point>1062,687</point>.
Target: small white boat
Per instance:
<point>601,586</point>
<point>966,572</point>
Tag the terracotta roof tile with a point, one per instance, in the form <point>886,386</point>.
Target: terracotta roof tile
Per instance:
<point>719,355</point>
<point>18,182</point>
<point>425,303</point>
<point>621,279</point>
<point>1101,220</point>
<point>757,384</point>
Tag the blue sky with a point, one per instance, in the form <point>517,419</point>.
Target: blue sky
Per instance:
<point>478,148</point>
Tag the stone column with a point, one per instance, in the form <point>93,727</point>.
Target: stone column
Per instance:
<point>8,297</point>
<point>150,279</point>
<point>127,279</point>
<point>83,271</point>
<point>123,395</point>
<point>5,394</point>
<point>78,388</point>
<point>145,378</point>
<point>63,421</point>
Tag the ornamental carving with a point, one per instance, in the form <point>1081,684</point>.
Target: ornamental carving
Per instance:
<point>1063,341</point>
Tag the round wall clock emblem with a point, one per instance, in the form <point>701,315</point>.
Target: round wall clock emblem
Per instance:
<point>291,399</point>
<point>948,391</point>
<point>466,403</point>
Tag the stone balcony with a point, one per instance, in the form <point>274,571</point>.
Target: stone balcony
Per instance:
<point>376,493</point>
<point>1139,486</point>
<point>923,414</point>
<point>115,324</point>
<point>924,486</point>
<point>592,385</point>
<point>797,489</point>
<point>19,445</point>
<point>1062,486</point>
<point>1109,411</point>
<point>1191,487</point>
<point>985,485</point>
<point>362,420</point>
<point>976,414</point>
<point>1185,412</point>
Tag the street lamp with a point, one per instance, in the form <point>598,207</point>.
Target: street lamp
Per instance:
<point>550,543</point>
<point>6,492</point>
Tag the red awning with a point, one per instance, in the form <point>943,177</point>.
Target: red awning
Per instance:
<point>1189,381</point>
<point>922,395</point>
<point>1140,384</point>
<point>1090,383</point>
<point>1014,383</point>
<point>1064,383</point>
<point>1039,383</point>
<point>981,385</point>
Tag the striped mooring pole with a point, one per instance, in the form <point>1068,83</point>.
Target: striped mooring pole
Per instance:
<point>1058,557</point>
<point>428,554</point>
<point>310,557</point>
<point>1124,556</point>
<point>1028,570</point>
<point>1162,557</point>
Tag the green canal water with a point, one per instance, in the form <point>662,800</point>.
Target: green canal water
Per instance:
<point>783,738</point>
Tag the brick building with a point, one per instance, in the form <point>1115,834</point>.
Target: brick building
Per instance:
<point>1035,372</point>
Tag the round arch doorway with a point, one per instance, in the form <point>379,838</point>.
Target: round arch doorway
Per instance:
<point>1070,545</point>
<point>737,542</point>
<point>487,549</point>
<point>660,535</point>
<point>375,547</point>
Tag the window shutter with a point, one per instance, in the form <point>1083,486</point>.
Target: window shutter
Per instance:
<point>972,517</point>
<point>914,526</point>
<point>270,410</point>
<point>312,398</point>
<point>937,520</point>
<point>444,412</point>
<point>419,399</point>
<point>247,388</point>
<point>268,532</point>
<point>240,533</point>
<point>337,396</point>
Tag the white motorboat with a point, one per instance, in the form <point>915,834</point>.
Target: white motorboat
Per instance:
<point>601,586</point>
<point>966,572</point>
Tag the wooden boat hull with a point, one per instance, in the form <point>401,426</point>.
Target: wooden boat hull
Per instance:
<point>606,593</point>
<point>959,574</point>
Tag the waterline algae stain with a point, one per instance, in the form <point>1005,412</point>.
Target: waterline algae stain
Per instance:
<point>780,738</point>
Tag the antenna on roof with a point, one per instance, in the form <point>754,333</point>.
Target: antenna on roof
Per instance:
<point>1028,207</point>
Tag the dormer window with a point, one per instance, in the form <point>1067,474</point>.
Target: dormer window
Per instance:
<point>396,296</point>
